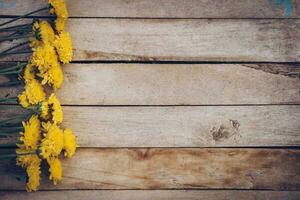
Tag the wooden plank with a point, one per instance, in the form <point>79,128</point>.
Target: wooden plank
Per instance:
<point>208,126</point>
<point>170,84</point>
<point>152,194</point>
<point>201,168</point>
<point>165,9</point>
<point>229,40</point>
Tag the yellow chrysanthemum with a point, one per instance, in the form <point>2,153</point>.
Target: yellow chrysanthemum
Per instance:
<point>29,73</point>
<point>55,169</point>
<point>59,8</point>
<point>53,76</point>
<point>32,133</point>
<point>47,33</point>
<point>23,101</point>
<point>33,173</point>
<point>31,163</point>
<point>35,38</point>
<point>26,157</point>
<point>56,109</point>
<point>63,46</point>
<point>60,24</point>
<point>70,143</point>
<point>44,57</point>
<point>44,110</point>
<point>53,143</point>
<point>33,94</point>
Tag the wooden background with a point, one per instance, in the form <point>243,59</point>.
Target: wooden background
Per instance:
<point>194,99</point>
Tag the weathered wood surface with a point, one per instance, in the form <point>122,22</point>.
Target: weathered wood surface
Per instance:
<point>244,40</point>
<point>165,9</point>
<point>152,194</point>
<point>170,84</point>
<point>208,126</point>
<point>192,168</point>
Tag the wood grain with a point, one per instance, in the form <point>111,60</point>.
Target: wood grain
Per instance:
<point>164,9</point>
<point>192,168</point>
<point>152,194</point>
<point>230,40</point>
<point>170,84</point>
<point>197,126</point>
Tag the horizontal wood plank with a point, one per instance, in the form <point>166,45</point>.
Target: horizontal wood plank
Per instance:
<point>201,168</point>
<point>165,9</point>
<point>170,84</point>
<point>152,194</point>
<point>208,126</point>
<point>184,40</point>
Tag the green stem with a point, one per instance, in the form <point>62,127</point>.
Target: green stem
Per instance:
<point>14,28</point>
<point>19,32</point>
<point>12,53</point>
<point>20,17</point>
<point>8,99</point>
<point>12,70</point>
<point>11,119</point>
<point>8,134</point>
<point>8,145</point>
<point>14,38</point>
<point>14,47</point>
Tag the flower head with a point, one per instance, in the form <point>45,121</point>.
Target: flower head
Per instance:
<point>35,38</point>
<point>55,107</point>
<point>31,163</point>
<point>44,110</point>
<point>55,169</point>
<point>60,24</point>
<point>23,101</point>
<point>29,73</point>
<point>33,94</point>
<point>59,8</point>
<point>33,173</point>
<point>52,144</point>
<point>70,143</point>
<point>53,76</point>
<point>47,33</point>
<point>44,57</point>
<point>63,46</point>
<point>32,133</point>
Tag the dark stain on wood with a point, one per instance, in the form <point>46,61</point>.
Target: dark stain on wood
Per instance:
<point>225,132</point>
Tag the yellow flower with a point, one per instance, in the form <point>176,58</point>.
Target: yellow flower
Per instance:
<point>53,143</point>
<point>44,57</point>
<point>57,113</point>
<point>63,46</point>
<point>33,173</point>
<point>60,24</point>
<point>33,94</point>
<point>44,110</point>
<point>29,72</point>
<point>35,39</point>
<point>32,133</point>
<point>30,162</point>
<point>55,169</point>
<point>70,143</point>
<point>28,157</point>
<point>59,8</point>
<point>23,101</point>
<point>47,33</point>
<point>53,76</point>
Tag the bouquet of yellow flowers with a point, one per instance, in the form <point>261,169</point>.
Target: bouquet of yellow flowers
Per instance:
<point>41,137</point>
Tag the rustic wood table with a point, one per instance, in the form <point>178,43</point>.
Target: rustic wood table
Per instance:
<point>171,99</point>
